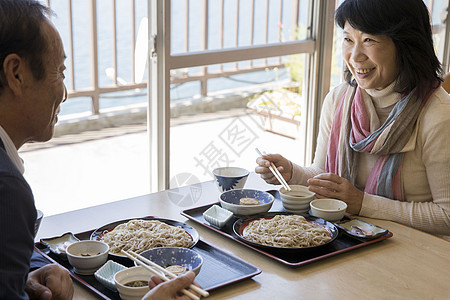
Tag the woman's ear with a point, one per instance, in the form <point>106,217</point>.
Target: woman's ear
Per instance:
<point>13,67</point>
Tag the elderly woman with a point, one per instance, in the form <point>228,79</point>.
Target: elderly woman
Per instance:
<point>384,144</point>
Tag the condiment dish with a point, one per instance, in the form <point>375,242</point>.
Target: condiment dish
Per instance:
<point>105,275</point>
<point>59,244</point>
<point>217,216</point>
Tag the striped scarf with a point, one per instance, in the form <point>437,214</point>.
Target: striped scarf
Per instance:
<point>350,134</point>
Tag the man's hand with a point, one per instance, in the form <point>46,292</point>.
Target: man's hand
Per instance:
<point>49,282</point>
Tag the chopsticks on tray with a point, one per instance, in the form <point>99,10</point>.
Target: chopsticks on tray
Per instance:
<point>163,273</point>
<point>275,172</point>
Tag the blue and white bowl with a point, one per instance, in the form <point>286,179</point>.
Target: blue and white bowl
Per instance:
<point>228,178</point>
<point>230,200</point>
<point>169,256</point>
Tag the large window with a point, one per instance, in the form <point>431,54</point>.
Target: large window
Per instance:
<point>232,44</point>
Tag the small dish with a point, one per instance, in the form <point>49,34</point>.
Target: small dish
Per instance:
<point>231,200</point>
<point>358,228</point>
<point>217,216</point>
<point>105,275</point>
<point>59,244</point>
<point>165,257</point>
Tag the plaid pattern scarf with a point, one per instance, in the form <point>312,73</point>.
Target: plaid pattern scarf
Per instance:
<point>350,134</point>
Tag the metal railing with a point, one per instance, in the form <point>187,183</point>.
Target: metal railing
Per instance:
<point>95,89</point>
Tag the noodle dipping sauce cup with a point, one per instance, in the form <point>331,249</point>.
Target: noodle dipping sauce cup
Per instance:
<point>297,200</point>
<point>127,276</point>
<point>328,209</point>
<point>86,257</point>
<point>229,178</point>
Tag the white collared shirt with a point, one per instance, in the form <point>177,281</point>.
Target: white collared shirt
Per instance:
<point>11,150</point>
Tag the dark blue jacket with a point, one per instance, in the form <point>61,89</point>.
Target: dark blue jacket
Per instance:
<point>17,217</point>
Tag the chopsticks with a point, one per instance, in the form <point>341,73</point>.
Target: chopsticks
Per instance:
<point>162,273</point>
<point>275,172</point>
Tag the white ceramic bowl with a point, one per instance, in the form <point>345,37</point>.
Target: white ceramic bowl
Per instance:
<point>86,257</point>
<point>230,200</point>
<point>296,200</point>
<point>170,256</point>
<point>129,275</point>
<point>328,209</point>
<point>228,178</point>
<point>217,216</point>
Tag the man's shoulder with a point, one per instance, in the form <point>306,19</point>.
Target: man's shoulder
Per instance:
<point>7,166</point>
<point>11,179</point>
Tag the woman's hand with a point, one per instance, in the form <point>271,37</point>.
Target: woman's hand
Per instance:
<point>283,165</point>
<point>328,185</point>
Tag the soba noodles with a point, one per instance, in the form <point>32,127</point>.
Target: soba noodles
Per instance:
<point>141,235</point>
<point>287,231</point>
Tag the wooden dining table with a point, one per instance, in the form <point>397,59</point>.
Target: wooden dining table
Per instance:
<point>409,265</point>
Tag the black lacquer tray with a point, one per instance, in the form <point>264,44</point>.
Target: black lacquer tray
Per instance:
<point>343,242</point>
<point>215,261</point>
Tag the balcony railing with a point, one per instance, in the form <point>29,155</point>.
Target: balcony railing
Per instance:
<point>262,26</point>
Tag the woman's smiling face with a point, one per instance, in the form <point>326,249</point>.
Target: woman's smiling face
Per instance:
<point>372,59</point>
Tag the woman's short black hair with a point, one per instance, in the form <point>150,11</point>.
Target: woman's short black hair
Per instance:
<point>20,33</point>
<point>407,23</point>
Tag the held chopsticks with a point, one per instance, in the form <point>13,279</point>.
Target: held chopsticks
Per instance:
<point>161,272</point>
<point>275,172</point>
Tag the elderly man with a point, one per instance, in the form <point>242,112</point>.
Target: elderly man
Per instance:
<point>31,91</point>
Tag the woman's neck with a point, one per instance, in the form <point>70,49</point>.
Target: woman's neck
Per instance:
<point>385,97</point>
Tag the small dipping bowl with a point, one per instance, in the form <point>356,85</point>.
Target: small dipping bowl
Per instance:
<point>230,200</point>
<point>86,257</point>
<point>328,209</point>
<point>175,256</point>
<point>129,275</point>
<point>228,178</point>
<point>297,200</point>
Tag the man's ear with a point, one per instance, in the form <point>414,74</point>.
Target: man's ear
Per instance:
<point>14,67</point>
